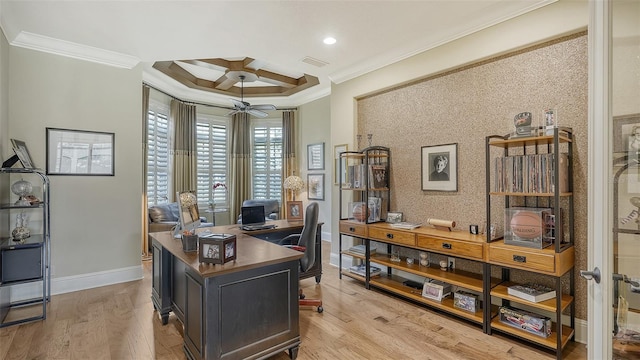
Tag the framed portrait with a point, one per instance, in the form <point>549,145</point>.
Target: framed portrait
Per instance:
<point>315,186</point>
<point>20,148</point>
<point>337,149</point>
<point>439,165</point>
<point>626,133</point>
<point>315,156</point>
<point>294,210</point>
<point>217,248</point>
<point>394,217</point>
<point>78,152</point>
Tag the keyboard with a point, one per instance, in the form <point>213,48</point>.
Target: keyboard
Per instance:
<point>257,227</point>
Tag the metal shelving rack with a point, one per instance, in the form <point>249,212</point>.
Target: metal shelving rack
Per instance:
<point>17,252</point>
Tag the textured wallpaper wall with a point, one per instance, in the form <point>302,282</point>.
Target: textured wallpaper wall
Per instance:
<point>465,105</point>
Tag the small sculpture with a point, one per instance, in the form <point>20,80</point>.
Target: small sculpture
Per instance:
<point>522,123</point>
<point>21,231</point>
<point>443,265</point>
<point>424,259</point>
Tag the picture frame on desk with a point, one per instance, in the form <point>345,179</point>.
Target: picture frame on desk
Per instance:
<point>20,148</point>
<point>294,210</point>
<point>439,165</point>
<point>217,248</point>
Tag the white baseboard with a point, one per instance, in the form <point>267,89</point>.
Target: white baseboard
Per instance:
<point>581,325</point>
<point>67,284</point>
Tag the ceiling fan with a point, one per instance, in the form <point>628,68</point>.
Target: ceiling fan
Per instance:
<point>240,106</point>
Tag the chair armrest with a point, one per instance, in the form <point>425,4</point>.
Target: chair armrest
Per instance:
<point>296,247</point>
<point>273,216</point>
<point>292,239</point>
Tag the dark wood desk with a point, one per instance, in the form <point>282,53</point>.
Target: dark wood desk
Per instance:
<point>247,309</point>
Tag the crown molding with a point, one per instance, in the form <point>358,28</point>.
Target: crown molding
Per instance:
<point>73,50</point>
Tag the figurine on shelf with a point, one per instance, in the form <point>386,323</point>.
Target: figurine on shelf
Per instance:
<point>424,259</point>
<point>443,265</point>
<point>21,231</point>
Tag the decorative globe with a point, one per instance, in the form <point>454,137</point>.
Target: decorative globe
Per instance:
<point>22,188</point>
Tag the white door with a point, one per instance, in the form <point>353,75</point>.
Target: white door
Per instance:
<point>614,186</point>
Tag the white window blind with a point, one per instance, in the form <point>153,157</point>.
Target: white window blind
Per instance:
<point>213,160</point>
<point>267,159</point>
<point>157,156</point>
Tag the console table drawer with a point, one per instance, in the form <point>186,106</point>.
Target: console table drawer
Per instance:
<point>454,247</point>
<point>350,228</point>
<point>391,236</point>
<point>525,260</point>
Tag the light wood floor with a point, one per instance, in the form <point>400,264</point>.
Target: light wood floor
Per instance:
<point>118,322</point>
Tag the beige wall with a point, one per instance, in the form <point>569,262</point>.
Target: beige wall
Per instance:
<point>314,127</point>
<point>551,22</point>
<point>95,220</point>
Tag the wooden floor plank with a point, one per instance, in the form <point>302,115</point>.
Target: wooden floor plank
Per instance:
<point>118,322</point>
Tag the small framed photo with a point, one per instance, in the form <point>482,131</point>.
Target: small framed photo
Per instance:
<point>440,167</point>
<point>337,149</point>
<point>217,248</point>
<point>315,184</point>
<point>294,210</point>
<point>20,148</point>
<point>394,217</point>
<point>315,156</point>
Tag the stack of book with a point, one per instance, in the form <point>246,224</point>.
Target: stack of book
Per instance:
<point>361,249</point>
<point>405,225</point>
<point>362,270</point>
<point>532,292</point>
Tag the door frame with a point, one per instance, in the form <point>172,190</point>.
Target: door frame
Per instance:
<point>600,221</point>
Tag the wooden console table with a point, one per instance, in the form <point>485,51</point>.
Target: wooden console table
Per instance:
<point>226,310</point>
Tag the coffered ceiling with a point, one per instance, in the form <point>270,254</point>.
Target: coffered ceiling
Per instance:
<point>200,47</point>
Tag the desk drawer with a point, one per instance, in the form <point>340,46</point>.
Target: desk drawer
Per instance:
<point>392,236</point>
<point>526,260</point>
<point>453,247</point>
<point>350,228</point>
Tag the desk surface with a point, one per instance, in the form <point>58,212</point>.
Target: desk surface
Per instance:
<point>252,252</point>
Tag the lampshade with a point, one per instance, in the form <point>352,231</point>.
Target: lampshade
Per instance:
<point>293,182</point>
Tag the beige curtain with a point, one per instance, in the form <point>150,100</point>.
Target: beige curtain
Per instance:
<point>240,169</point>
<point>289,146</point>
<point>184,170</point>
<point>145,212</point>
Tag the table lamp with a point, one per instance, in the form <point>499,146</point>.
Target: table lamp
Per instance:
<point>293,183</point>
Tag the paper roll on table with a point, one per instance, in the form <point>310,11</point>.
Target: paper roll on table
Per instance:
<point>442,224</point>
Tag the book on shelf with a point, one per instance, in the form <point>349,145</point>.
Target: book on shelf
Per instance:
<point>532,292</point>
<point>361,249</point>
<point>533,173</point>
<point>377,176</point>
<point>405,225</point>
<point>362,270</point>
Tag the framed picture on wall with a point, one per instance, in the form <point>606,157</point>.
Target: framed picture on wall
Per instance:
<point>440,167</point>
<point>315,184</point>
<point>79,152</point>
<point>337,149</point>
<point>315,156</point>
<point>626,133</point>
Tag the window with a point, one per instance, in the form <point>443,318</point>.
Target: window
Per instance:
<point>266,138</point>
<point>212,147</point>
<point>157,154</point>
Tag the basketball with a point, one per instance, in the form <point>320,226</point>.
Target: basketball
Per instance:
<point>359,212</point>
<point>526,225</point>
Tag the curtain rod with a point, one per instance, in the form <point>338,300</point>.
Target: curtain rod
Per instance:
<point>197,103</point>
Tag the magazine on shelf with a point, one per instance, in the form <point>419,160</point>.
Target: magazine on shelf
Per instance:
<point>360,249</point>
<point>532,292</point>
<point>362,270</point>
<point>405,225</point>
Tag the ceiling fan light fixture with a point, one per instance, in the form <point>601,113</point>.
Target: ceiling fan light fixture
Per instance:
<point>243,106</point>
<point>329,40</point>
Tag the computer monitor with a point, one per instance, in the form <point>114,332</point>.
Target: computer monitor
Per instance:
<point>189,214</point>
<point>253,215</point>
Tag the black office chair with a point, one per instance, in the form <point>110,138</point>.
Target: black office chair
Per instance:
<point>306,242</point>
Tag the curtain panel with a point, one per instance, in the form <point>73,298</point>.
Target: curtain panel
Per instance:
<point>289,146</point>
<point>240,169</point>
<point>145,154</point>
<point>184,173</point>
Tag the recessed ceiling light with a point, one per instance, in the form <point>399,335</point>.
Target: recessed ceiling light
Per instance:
<point>329,40</point>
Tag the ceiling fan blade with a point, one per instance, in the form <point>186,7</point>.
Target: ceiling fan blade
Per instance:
<point>257,113</point>
<point>239,104</point>
<point>234,112</point>
<point>263,107</point>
